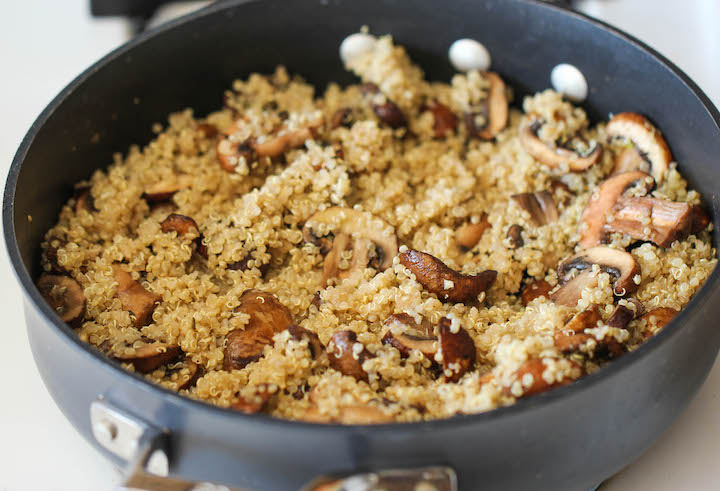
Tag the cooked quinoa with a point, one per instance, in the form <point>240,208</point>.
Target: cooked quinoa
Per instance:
<point>369,255</point>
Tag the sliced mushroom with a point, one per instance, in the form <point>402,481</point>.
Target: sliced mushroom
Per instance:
<point>647,139</point>
<point>149,357</point>
<point>535,289</point>
<point>347,355</point>
<point>185,375</point>
<point>386,110</point>
<point>411,335</point>
<point>230,151</point>
<point>444,282</point>
<point>593,220</point>
<point>572,338</point>
<point>629,160</point>
<point>254,404</point>
<point>267,317</point>
<point>540,205</point>
<point>621,317</point>
<point>65,296</point>
<point>552,155</point>
<point>655,320</point>
<point>445,121</point>
<point>587,319</point>
<point>650,219</point>
<point>164,190</point>
<point>371,239</point>
<point>700,219</point>
<point>619,264</point>
<point>457,350</point>
<point>469,234</point>
<point>178,223</point>
<point>487,120</point>
<point>350,414</point>
<point>530,379</point>
<point>285,140</point>
<point>315,346</point>
<point>134,297</point>
<point>514,236</point>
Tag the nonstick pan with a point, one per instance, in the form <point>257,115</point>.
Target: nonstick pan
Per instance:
<point>569,438</point>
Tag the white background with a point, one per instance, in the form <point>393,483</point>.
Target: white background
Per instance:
<point>45,43</point>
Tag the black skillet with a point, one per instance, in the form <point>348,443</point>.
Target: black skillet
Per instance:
<point>570,438</point>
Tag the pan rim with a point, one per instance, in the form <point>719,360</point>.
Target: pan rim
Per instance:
<point>187,404</point>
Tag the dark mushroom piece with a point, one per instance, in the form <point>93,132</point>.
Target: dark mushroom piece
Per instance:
<point>149,357</point>
<point>164,190</point>
<point>345,358</point>
<point>655,320</point>
<point>65,296</point>
<point>284,140</point>
<point>535,289</point>
<point>371,239</point>
<point>342,117</point>
<point>648,219</point>
<point>572,339</point>
<point>469,234</point>
<point>490,117</point>
<point>457,350</point>
<point>700,219</point>
<point>619,264</point>
<point>83,199</point>
<point>540,205</point>
<point>386,110</point>
<point>178,223</point>
<point>652,151</point>
<point>184,376</point>
<point>267,317</point>
<point>207,130</point>
<point>315,346</point>
<point>252,405</point>
<point>514,236</point>
<point>552,155</point>
<point>413,336</point>
<point>445,121</point>
<point>134,297</point>
<point>530,377</point>
<point>444,282</point>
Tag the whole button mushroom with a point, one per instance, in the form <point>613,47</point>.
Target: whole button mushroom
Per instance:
<point>355,45</point>
<point>569,81</point>
<point>444,282</point>
<point>267,317</point>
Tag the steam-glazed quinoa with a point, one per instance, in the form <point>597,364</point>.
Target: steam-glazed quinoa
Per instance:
<point>397,250</point>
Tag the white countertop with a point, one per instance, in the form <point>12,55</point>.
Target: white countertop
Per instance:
<point>45,43</point>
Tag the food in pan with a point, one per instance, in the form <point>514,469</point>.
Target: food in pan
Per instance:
<point>396,250</point>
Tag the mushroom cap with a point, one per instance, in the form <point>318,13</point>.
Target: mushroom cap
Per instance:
<point>496,108</point>
<point>655,320</point>
<point>149,357</point>
<point>444,282</point>
<point>268,316</point>
<point>552,155</point>
<point>134,297</point>
<point>351,222</point>
<point>65,296</point>
<point>647,139</point>
<point>602,201</point>
<point>343,357</point>
<point>458,350</point>
<point>620,264</point>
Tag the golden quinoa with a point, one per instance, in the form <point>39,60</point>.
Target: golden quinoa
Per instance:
<point>398,250</point>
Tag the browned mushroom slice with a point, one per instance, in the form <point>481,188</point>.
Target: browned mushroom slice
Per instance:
<point>254,404</point>
<point>629,160</point>
<point>386,110</point>
<point>573,339</point>
<point>267,317</point>
<point>621,317</point>
<point>164,190</point>
<point>700,219</point>
<point>655,320</point>
<point>514,236</point>
<point>540,205</point>
<point>535,289</point>
<point>553,155</point>
<point>178,223</point>
<point>411,336</point>
<point>285,139</point>
<point>347,355</point>
<point>650,219</point>
<point>371,239</point>
<point>315,346</point>
<point>469,234</point>
<point>491,117</point>
<point>530,378</point>
<point>647,139</point>
<point>184,376</point>
<point>149,357</point>
<point>457,349</point>
<point>134,297</point>
<point>619,264</point>
<point>592,223</point>
<point>444,282</point>
<point>65,296</point>
<point>445,121</point>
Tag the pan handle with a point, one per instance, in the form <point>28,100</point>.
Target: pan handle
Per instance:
<point>145,448</point>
